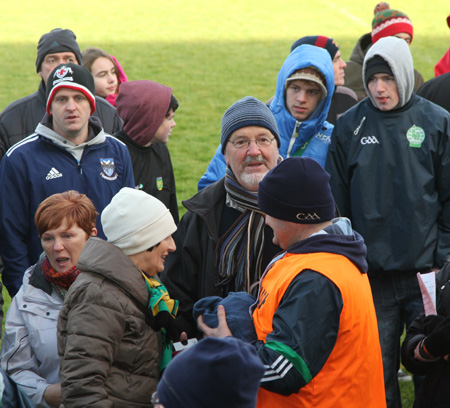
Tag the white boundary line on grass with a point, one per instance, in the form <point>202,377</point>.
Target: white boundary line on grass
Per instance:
<point>347,14</point>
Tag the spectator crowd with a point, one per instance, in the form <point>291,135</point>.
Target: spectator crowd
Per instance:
<point>296,269</point>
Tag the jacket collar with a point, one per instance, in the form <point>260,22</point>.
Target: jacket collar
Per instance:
<point>208,205</point>
<point>41,92</point>
<point>105,259</point>
<point>38,281</point>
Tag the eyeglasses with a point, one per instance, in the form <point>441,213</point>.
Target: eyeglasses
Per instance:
<point>244,143</point>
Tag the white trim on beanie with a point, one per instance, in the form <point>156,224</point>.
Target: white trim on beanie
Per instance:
<point>135,221</point>
<point>75,87</point>
<point>70,76</point>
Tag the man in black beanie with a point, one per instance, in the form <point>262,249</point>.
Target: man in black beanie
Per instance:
<point>314,317</point>
<point>20,118</point>
<point>69,151</point>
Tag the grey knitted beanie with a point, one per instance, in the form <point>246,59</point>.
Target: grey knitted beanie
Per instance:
<point>248,111</point>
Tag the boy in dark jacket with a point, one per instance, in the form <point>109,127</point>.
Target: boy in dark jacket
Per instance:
<point>389,162</point>
<point>148,109</point>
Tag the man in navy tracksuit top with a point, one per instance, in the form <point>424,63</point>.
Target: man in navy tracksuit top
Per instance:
<point>69,151</point>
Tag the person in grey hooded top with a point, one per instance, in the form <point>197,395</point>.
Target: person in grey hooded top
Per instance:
<point>389,162</point>
<point>303,132</point>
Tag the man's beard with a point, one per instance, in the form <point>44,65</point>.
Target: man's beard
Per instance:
<point>252,180</point>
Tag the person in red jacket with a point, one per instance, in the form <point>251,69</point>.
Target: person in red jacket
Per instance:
<point>443,66</point>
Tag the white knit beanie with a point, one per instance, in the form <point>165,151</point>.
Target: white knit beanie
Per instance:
<point>135,221</point>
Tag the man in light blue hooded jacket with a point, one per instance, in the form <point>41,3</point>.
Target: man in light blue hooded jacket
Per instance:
<point>302,133</point>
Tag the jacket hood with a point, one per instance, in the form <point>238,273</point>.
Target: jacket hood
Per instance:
<point>397,54</point>
<point>302,57</point>
<point>338,238</point>
<point>361,48</point>
<point>105,259</point>
<point>96,135</point>
<point>143,106</point>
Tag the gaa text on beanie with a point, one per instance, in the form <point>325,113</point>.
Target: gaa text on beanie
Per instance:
<point>297,190</point>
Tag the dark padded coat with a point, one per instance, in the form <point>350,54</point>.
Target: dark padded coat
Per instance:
<point>191,272</point>
<point>109,355</point>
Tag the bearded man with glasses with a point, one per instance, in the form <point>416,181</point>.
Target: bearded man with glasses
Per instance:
<point>222,242</point>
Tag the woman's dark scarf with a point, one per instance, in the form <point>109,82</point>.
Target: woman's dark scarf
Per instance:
<point>240,249</point>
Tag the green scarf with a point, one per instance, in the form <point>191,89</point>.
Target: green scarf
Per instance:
<point>159,303</point>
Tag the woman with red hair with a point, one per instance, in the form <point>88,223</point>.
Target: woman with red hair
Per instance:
<point>65,221</point>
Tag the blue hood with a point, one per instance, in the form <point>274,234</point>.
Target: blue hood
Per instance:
<point>302,57</point>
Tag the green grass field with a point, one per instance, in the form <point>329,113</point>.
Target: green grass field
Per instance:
<point>211,53</point>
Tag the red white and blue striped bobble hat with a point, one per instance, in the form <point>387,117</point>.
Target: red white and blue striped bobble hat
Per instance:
<point>74,77</point>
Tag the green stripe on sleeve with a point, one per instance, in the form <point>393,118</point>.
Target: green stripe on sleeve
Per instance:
<point>293,357</point>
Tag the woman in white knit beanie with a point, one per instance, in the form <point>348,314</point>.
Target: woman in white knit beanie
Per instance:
<point>117,323</point>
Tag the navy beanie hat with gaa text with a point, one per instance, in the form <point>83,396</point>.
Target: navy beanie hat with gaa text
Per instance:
<point>297,190</point>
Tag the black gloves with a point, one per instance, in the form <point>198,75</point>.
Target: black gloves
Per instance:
<point>437,342</point>
<point>430,322</point>
<point>163,319</point>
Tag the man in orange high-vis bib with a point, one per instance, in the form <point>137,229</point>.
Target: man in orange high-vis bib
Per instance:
<point>314,317</point>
